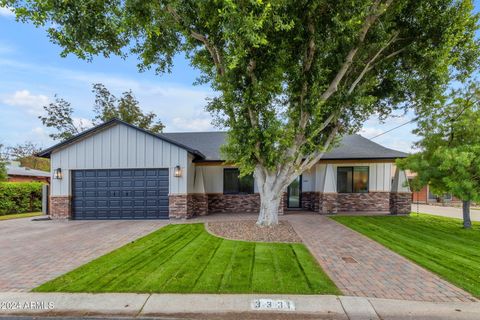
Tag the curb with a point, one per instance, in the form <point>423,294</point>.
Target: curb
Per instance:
<point>154,305</point>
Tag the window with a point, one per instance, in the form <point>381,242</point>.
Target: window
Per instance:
<point>352,179</point>
<point>233,184</point>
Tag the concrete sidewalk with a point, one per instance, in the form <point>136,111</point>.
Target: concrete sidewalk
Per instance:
<point>229,306</point>
<point>449,212</point>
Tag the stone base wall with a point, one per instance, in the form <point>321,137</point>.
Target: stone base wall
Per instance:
<point>363,202</point>
<point>180,206</point>
<point>239,203</point>
<point>308,200</point>
<point>200,204</point>
<point>229,203</point>
<point>400,202</point>
<point>331,203</point>
<point>60,207</point>
<point>327,203</point>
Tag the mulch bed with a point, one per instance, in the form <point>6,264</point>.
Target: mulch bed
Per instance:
<point>247,230</point>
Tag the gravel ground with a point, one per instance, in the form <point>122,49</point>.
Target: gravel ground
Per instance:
<point>249,231</point>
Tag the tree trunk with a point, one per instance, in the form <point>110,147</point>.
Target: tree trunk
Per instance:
<point>269,204</point>
<point>270,187</point>
<point>467,223</point>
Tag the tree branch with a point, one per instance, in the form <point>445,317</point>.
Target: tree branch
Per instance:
<point>367,65</point>
<point>312,159</point>
<point>212,49</point>
<point>377,10</point>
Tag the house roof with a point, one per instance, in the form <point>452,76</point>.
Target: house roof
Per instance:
<point>46,153</point>
<point>351,146</point>
<point>15,170</point>
<point>206,145</point>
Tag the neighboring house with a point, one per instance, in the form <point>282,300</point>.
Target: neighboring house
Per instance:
<point>426,196</point>
<point>118,171</point>
<point>16,173</point>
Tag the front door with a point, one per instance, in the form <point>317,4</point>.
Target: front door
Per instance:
<point>294,193</point>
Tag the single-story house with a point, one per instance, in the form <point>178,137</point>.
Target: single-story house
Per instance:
<point>16,173</point>
<point>119,171</point>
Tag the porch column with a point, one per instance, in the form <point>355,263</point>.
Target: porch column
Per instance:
<point>400,194</point>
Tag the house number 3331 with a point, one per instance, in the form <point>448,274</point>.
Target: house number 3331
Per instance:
<point>271,304</point>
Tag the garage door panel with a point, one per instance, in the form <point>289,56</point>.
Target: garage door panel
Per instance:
<point>126,173</point>
<point>120,194</point>
<point>114,183</point>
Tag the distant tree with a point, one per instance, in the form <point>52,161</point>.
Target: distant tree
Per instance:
<point>3,164</point>
<point>59,114</point>
<point>26,154</point>
<point>449,160</point>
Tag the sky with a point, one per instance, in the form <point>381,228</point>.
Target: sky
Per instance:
<point>32,73</point>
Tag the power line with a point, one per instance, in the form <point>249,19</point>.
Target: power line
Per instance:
<point>399,126</point>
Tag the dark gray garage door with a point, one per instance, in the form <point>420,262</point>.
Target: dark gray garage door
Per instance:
<point>120,194</point>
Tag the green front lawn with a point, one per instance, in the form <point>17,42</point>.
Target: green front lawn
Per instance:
<point>185,258</point>
<point>20,215</point>
<point>436,243</point>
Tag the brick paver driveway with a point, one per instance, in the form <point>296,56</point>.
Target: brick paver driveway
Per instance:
<point>33,252</point>
<point>362,267</point>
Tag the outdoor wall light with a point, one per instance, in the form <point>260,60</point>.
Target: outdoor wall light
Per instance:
<point>57,173</point>
<point>177,172</point>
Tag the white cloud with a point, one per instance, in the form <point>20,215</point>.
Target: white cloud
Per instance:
<point>190,124</point>
<point>24,99</point>
<point>82,123</point>
<point>399,144</point>
<point>6,12</point>
<point>39,135</point>
<point>369,132</point>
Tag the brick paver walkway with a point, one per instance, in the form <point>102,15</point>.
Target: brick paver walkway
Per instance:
<point>362,267</point>
<point>33,252</point>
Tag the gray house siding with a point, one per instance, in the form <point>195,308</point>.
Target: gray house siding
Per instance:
<point>119,147</point>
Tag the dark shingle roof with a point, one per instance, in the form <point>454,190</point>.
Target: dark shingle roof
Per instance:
<point>351,146</point>
<point>357,147</point>
<point>205,146</point>
<point>13,170</point>
<point>208,143</point>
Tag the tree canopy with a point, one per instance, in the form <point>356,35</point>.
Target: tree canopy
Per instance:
<point>449,157</point>
<point>291,75</point>
<point>59,114</point>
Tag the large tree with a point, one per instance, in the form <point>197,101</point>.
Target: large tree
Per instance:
<point>59,114</point>
<point>292,75</point>
<point>449,160</point>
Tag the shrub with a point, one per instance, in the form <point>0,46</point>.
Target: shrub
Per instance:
<point>20,197</point>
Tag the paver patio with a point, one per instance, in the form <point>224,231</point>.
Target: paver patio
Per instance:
<point>33,252</point>
<point>362,267</point>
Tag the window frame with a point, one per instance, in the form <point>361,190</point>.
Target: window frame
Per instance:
<point>238,182</point>
<point>353,178</point>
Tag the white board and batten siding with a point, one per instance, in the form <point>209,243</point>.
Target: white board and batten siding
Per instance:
<point>321,178</point>
<point>380,176</point>
<point>119,147</point>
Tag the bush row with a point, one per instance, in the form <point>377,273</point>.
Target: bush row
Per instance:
<point>20,197</point>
